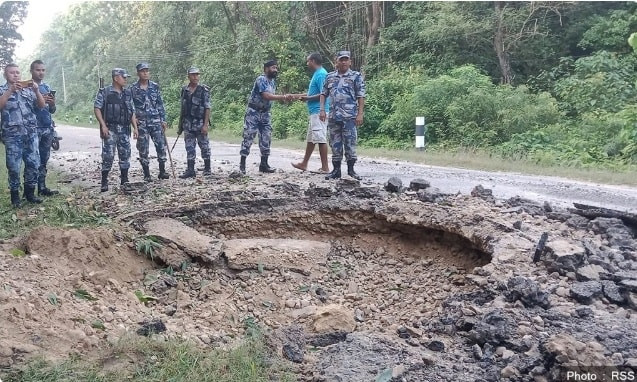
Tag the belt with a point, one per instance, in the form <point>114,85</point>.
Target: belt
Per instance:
<point>255,107</point>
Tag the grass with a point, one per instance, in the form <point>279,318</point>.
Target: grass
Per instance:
<point>151,360</point>
<point>59,211</point>
<point>465,159</point>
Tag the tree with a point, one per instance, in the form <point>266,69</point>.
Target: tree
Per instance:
<point>12,14</point>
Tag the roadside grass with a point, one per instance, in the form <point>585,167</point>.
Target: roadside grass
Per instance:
<point>461,158</point>
<point>152,360</point>
<point>61,210</point>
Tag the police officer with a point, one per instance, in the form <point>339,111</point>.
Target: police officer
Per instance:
<point>193,121</point>
<point>18,107</point>
<point>346,89</point>
<point>151,120</point>
<point>45,125</point>
<point>257,116</point>
<point>115,112</point>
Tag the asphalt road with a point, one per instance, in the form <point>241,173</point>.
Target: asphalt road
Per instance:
<point>82,146</point>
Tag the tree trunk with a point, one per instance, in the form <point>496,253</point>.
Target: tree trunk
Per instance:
<point>506,75</point>
<point>373,25</point>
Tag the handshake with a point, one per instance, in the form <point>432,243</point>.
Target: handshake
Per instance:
<point>288,98</point>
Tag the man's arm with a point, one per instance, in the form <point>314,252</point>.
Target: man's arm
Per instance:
<point>359,115</point>
<point>39,99</point>
<point>276,97</point>
<point>4,98</point>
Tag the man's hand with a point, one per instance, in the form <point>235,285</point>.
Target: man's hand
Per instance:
<point>204,130</point>
<point>180,130</point>
<point>164,125</point>
<point>104,132</point>
<point>35,87</point>
<point>322,115</point>
<point>359,119</point>
<point>16,86</point>
<point>49,100</point>
<point>303,98</point>
<point>135,133</point>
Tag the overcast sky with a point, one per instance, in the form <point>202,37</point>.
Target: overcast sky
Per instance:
<point>39,17</point>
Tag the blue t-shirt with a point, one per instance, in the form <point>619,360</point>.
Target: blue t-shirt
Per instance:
<point>316,86</point>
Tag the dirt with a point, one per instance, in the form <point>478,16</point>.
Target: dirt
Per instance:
<point>348,281</point>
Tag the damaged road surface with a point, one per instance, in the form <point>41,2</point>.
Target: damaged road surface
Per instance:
<point>349,282</point>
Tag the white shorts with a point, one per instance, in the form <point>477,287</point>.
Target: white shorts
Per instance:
<point>316,130</point>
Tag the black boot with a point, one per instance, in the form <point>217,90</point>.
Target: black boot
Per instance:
<point>162,171</point>
<point>15,198</point>
<point>350,169</point>
<point>336,172</point>
<point>123,176</point>
<point>104,187</point>
<point>44,191</point>
<point>264,166</point>
<point>190,172</point>
<point>147,177</point>
<point>242,165</point>
<point>29,194</point>
<point>206,168</point>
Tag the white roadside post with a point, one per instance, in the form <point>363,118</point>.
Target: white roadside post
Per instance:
<point>420,133</point>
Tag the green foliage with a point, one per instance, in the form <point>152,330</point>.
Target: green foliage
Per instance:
<point>147,245</point>
<point>12,14</point>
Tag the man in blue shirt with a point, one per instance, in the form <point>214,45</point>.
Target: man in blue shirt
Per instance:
<point>317,129</point>
<point>151,120</point>
<point>18,105</point>
<point>345,89</point>
<point>258,119</point>
<point>45,125</point>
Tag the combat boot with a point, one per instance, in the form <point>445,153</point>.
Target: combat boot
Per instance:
<point>44,191</point>
<point>147,177</point>
<point>264,166</point>
<point>242,165</point>
<point>29,194</point>
<point>104,187</point>
<point>206,169</point>
<point>190,172</point>
<point>15,198</point>
<point>162,171</point>
<point>350,169</point>
<point>336,172</point>
<point>123,176</point>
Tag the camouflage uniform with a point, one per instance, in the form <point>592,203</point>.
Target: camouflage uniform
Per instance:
<point>258,118</point>
<point>344,91</point>
<point>150,113</point>
<point>45,135</point>
<point>20,137</point>
<point>193,109</point>
<point>117,113</point>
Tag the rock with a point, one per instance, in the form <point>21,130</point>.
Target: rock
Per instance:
<point>586,291</point>
<point>419,184</point>
<point>476,350</point>
<point>568,350</point>
<point>494,328</point>
<point>584,312</point>
<point>613,293</point>
<point>327,339</point>
<point>430,195</point>
<point>319,191</point>
<point>563,256</point>
<point>394,184</point>
<point>527,291</point>
<point>302,256</point>
<point>189,240</point>
<point>615,230</point>
<point>482,193</point>
<point>292,353</point>
<point>398,371</point>
<point>589,272</point>
<point>403,333</point>
<point>152,326</point>
<point>436,345</point>
<point>547,207</point>
<point>509,372</point>
<point>630,285</point>
<point>359,315</point>
<point>333,318</point>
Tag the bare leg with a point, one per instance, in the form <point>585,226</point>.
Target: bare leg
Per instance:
<point>323,154</point>
<point>308,153</point>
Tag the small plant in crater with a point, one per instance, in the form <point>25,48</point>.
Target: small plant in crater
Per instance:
<point>147,245</point>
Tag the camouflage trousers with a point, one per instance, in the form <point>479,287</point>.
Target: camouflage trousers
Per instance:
<point>148,130</point>
<point>45,136</point>
<point>253,123</point>
<point>118,138</point>
<point>343,134</point>
<point>192,138</point>
<point>22,147</point>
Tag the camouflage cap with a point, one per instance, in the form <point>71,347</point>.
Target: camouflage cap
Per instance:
<point>193,70</point>
<point>142,66</point>
<point>342,53</point>
<point>119,72</point>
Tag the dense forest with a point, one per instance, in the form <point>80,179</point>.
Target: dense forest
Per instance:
<point>551,82</point>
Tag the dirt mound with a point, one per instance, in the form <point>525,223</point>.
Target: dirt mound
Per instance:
<point>60,287</point>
